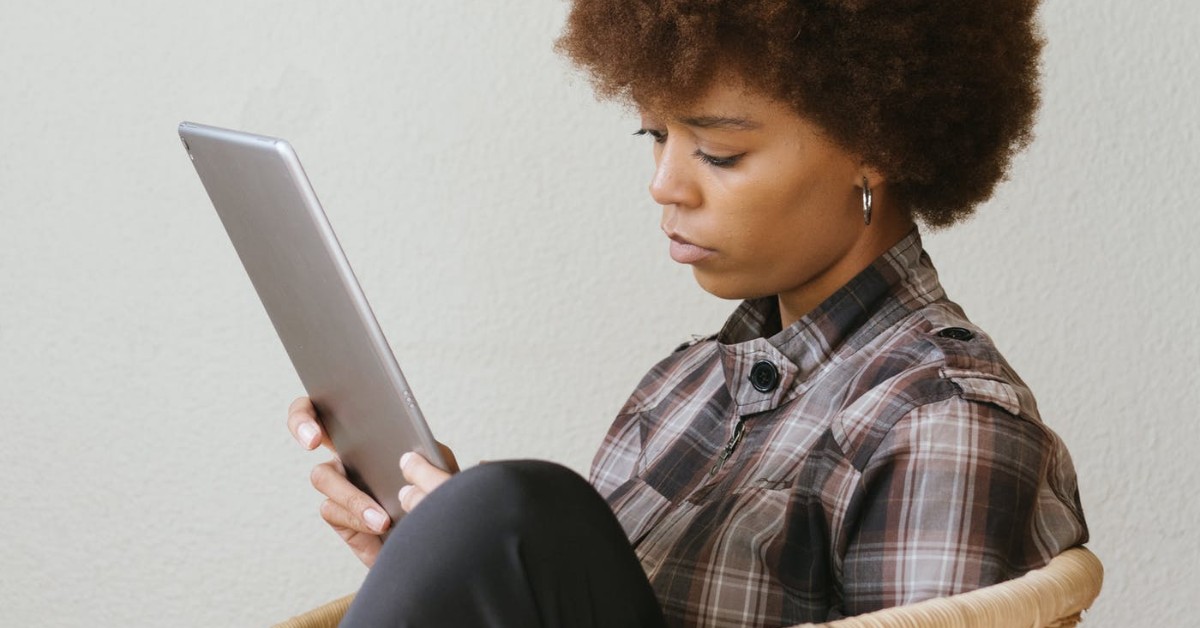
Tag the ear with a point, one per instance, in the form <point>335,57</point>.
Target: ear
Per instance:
<point>873,175</point>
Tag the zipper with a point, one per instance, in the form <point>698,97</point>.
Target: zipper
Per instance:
<point>738,429</point>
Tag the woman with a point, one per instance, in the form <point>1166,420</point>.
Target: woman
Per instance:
<point>849,440</point>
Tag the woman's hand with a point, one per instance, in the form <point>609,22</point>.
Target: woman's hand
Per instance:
<point>357,518</point>
<point>422,477</point>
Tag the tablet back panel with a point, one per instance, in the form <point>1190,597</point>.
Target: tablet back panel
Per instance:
<point>297,266</point>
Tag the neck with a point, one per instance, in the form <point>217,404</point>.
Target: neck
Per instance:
<point>875,240</point>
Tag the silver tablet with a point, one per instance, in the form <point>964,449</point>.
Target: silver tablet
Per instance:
<point>294,260</point>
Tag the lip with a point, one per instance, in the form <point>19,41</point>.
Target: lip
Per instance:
<point>686,252</point>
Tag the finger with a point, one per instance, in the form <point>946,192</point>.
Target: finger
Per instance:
<point>364,545</point>
<point>365,514</point>
<point>303,424</point>
<point>421,473</point>
<point>301,404</point>
<point>337,516</point>
<point>410,496</point>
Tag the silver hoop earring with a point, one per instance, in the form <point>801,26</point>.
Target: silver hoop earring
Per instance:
<point>866,201</point>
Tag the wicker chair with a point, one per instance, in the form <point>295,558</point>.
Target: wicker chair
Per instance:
<point>1054,596</point>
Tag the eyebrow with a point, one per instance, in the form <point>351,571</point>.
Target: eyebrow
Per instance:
<point>721,122</point>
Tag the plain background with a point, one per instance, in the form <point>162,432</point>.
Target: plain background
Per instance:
<point>498,219</point>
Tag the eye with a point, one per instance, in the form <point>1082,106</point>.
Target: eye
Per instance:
<point>659,136</point>
<point>719,162</point>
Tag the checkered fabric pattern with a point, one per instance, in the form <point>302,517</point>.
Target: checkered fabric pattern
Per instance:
<point>878,452</point>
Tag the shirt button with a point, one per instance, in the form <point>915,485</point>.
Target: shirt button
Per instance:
<point>955,333</point>
<point>764,376</point>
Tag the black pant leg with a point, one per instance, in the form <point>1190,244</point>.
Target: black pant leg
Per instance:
<point>508,544</point>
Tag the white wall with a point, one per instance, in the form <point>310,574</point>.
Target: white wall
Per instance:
<point>498,219</point>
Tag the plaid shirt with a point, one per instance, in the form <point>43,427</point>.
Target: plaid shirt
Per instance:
<point>877,452</point>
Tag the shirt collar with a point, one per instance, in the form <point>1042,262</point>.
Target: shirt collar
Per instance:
<point>899,281</point>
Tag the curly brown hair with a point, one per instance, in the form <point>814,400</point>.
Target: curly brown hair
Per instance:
<point>936,94</point>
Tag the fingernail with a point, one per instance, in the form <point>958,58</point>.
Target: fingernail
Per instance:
<point>375,519</point>
<point>404,491</point>
<point>307,433</point>
<point>404,460</point>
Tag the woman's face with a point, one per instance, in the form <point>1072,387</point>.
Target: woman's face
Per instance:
<point>758,202</point>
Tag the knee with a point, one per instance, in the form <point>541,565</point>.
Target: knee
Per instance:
<point>519,493</point>
<point>526,482</point>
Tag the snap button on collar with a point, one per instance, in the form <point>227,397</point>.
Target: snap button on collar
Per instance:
<point>956,333</point>
<point>764,376</point>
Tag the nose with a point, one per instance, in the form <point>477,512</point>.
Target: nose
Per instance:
<point>674,180</point>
